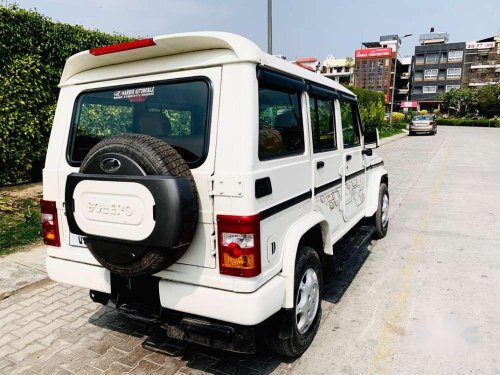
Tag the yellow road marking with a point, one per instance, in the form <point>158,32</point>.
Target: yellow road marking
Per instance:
<point>386,342</point>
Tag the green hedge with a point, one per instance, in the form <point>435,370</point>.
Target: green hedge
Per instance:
<point>33,50</point>
<point>468,122</point>
<point>371,106</point>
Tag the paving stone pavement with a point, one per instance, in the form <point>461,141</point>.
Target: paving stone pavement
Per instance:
<point>57,329</point>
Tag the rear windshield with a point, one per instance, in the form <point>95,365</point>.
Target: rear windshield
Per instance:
<point>176,112</point>
<point>422,118</point>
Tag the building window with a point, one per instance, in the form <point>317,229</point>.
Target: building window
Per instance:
<point>417,90</point>
<point>443,57</point>
<point>454,73</point>
<point>419,76</point>
<point>429,89</point>
<point>419,59</point>
<point>455,55</point>
<point>452,87</point>
<point>431,73</point>
<point>432,58</point>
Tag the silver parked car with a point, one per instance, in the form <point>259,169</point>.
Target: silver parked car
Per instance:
<point>423,124</point>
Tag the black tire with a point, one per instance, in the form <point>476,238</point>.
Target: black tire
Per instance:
<point>296,343</point>
<point>380,227</point>
<point>155,157</point>
<point>412,133</point>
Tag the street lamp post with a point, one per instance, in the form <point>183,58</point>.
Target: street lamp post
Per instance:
<point>270,27</point>
<point>394,77</point>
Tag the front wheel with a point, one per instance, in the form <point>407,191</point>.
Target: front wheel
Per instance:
<point>381,217</point>
<point>307,307</point>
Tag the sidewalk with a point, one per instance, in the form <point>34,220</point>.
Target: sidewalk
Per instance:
<point>21,269</point>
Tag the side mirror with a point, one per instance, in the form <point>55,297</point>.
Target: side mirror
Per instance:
<point>372,139</point>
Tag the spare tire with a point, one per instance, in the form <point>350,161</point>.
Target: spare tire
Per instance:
<point>140,155</point>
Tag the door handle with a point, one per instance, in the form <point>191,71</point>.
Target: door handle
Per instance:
<point>320,164</point>
<point>348,157</point>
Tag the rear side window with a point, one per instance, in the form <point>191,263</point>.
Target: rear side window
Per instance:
<point>281,132</point>
<point>176,112</point>
<point>323,124</point>
<point>350,124</point>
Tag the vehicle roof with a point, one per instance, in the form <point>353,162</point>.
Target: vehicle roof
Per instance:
<point>242,50</point>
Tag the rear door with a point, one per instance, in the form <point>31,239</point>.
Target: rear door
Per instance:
<point>326,161</point>
<point>190,103</point>
<point>354,185</point>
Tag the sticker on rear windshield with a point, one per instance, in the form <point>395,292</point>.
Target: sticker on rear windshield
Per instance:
<point>134,93</point>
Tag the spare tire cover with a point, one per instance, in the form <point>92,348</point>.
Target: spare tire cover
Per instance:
<point>139,155</point>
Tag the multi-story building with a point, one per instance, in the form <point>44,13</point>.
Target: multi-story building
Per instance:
<point>482,62</point>
<point>374,68</point>
<point>404,86</point>
<point>340,70</point>
<point>437,68</point>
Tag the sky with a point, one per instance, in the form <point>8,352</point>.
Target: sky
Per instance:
<point>300,28</point>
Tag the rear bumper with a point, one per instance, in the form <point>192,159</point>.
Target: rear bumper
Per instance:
<point>239,308</point>
<point>421,128</point>
<point>246,309</point>
<point>87,276</point>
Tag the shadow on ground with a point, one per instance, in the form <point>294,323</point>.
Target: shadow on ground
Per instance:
<point>216,361</point>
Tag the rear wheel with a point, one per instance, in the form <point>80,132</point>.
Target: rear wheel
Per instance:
<point>307,307</point>
<point>381,217</point>
<point>412,133</point>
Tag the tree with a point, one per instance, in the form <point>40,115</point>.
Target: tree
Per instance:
<point>463,101</point>
<point>489,100</point>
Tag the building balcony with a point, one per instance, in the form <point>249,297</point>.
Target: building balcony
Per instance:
<point>485,66</point>
<point>485,83</point>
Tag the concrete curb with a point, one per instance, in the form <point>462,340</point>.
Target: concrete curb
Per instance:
<point>22,269</point>
<point>384,141</point>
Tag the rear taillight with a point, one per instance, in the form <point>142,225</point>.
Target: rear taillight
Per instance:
<point>239,245</point>
<point>140,43</point>
<point>50,227</point>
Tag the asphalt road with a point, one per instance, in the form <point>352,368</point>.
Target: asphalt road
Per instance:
<point>423,300</point>
<point>426,299</point>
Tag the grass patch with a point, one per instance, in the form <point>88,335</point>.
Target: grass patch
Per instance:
<point>19,220</point>
<point>388,131</point>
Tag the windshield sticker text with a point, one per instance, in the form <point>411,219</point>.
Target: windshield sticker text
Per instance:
<point>134,93</point>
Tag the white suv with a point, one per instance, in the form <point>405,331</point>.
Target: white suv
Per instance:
<point>198,183</point>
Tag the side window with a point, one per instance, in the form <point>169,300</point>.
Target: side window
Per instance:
<point>281,132</point>
<point>350,124</point>
<point>323,124</point>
